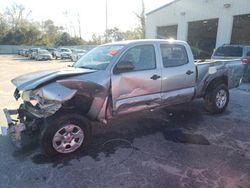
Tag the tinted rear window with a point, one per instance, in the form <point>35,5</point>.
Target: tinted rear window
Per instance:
<point>229,51</point>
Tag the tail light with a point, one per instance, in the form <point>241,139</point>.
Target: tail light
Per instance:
<point>244,61</point>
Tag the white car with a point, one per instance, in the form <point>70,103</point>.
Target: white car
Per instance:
<point>77,54</point>
<point>63,53</point>
<point>43,55</point>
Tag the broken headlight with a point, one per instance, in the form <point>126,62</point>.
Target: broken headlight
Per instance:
<point>42,107</point>
<point>34,97</point>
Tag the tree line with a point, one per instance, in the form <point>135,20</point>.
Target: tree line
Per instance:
<point>17,29</point>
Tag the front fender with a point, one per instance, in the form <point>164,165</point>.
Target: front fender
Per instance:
<point>96,92</point>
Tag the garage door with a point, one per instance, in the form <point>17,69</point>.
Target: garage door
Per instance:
<point>241,29</point>
<point>202,37</point>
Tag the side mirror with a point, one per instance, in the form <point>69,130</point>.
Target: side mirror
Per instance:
<point>123,66</point>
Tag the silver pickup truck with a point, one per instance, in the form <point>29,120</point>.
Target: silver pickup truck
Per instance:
<point>114,79</point>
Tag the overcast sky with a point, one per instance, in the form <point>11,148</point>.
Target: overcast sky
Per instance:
<point>92,13</point>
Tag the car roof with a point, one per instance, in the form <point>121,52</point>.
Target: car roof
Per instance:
<point>235,45</point>
<point>127,42</point>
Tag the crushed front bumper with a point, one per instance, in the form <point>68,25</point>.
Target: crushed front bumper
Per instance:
<point>15,128</point>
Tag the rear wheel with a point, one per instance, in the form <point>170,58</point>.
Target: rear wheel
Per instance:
<point>217,98</point>
<point>66,134</point>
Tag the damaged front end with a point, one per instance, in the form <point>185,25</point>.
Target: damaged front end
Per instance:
<point>47,100</point>
<point>20,124</point>
<point>37,105</point>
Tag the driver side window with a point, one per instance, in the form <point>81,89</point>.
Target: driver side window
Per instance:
<point>142,57</point>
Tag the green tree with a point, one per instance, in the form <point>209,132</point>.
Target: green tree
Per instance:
<point>51,33</point>
<point>16,14</point>
<point>26,34</point>
<point>113,34</point>
<point>96,40</point>
<point>142,20</point>
<point>66,40</point>
<point>3,27</point>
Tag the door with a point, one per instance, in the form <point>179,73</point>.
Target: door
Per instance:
<point>178,74</point>
<point>138,88</point>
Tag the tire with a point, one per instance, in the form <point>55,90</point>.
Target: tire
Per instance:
<point>65,134</point>
<point>217,98</point>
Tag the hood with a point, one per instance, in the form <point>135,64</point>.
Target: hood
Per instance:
<point>33,80</point>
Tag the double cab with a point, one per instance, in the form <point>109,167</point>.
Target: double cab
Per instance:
<point>113,79</point>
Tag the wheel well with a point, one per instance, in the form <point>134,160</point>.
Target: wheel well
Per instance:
<point>216,81</point>
<point>79,103</point>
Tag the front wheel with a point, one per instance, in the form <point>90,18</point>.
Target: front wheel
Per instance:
<point>66,134</point>
<point>217,99</point>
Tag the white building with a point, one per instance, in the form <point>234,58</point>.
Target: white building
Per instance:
<point>204,24</point>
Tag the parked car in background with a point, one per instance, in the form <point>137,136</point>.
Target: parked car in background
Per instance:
<point>63,53</point>
<point>33,52</point>
<point>43,55</point>
<point>23,52</point>
<point>232,51</point>
<point>52,51</point>
<point>19,52</point>
<point>26,53</point>
<point>77,54</point>
<point>33,55</point>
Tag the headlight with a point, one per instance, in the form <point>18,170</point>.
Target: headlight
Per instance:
<point>34,97</point>
<point>26,95</point>
<point>42,107</point>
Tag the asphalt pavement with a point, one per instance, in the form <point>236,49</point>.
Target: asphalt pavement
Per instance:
<point>181,146</point>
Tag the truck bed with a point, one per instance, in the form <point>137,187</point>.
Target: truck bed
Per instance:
<point>209,69</point>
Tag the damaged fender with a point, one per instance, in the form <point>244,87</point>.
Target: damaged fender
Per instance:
<point>47,100</point>
<point>98,94</point>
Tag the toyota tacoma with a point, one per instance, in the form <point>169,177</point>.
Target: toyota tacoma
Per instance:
<point>113,79</point>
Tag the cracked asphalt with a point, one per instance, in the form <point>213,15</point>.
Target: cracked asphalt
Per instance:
<point>180,146</point>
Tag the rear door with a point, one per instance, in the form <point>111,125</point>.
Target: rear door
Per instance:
<point>140,88</point>
<point>178,74</point>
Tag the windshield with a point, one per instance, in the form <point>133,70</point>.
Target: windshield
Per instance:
<point>99,57</point>
<point>229,51</point>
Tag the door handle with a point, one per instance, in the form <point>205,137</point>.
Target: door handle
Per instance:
<point>155,77</point>
<point>189,72</point>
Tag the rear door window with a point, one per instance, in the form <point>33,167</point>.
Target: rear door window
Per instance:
<point>173,55</point>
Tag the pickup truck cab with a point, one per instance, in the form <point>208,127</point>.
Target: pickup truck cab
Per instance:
<point>114,79</point>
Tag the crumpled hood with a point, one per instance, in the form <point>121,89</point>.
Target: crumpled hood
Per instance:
<point>32,80</point>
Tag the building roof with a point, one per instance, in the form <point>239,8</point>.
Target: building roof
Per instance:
<point>166,5</point>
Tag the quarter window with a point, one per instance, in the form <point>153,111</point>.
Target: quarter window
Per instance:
<point>173,55</point>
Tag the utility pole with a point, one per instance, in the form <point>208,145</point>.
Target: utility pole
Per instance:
<point>106,28</point>
<point>79,25</point>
